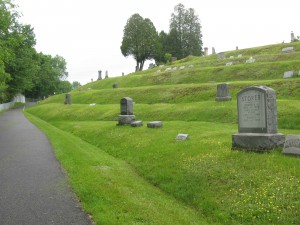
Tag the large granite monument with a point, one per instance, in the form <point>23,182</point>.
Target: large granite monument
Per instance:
<point>126,117</point>
<point>257,120</point>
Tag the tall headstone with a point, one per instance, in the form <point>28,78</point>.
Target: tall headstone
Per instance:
<point>292,37</point>
<point>257,120</point>
<point>223,93</point>
<point>126,106</point>
<point>68,99</point>
<point>205,51</point>
<point>106,74</point>
<point>99,75</point>
<point>213,50</point>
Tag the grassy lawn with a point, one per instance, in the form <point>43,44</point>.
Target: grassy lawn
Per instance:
<point>202,175</point>
<point>126,175</point>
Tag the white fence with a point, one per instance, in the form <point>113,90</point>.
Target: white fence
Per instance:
<point>18,98</point>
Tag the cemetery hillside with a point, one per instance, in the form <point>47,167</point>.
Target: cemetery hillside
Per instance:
<point>139,175</point>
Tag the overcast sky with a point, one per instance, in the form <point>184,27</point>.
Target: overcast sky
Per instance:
<point>88,34</point>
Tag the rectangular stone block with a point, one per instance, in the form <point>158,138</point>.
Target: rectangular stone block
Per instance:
<point>288,74</point>
<point>292,145</point>
<point>137,123</point>
<point>182,137</point>
<point>155,124</point>
<point>126,119</point>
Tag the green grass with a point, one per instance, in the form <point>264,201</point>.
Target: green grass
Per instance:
<point>126,175</point>
<point>110,189</point>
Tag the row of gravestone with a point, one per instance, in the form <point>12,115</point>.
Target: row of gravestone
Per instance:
<point>176,68</point>
<point>250,60</point>
<point>257,120</point>
<point>222,55</point>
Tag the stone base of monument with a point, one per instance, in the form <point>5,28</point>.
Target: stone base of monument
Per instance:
<point>257,141</point>
<point>220,99</point>
<point>126,119</point>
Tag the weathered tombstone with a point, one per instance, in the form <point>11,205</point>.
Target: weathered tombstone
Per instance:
<point>168,69</point>
<point>68,99</point>
<point>154,124</point>
<point>292,37</point>
<point>183,67</point>
<point>138,123</point>
<point>229,64</point>
<point>115,85</point>
<point>106,74</point>
<point>240,55</point>
<point>213,50</point>
<point>221,55</point>
<point>92,80</point>
<point>206,51</point>
<point>126,117</point>
<point>287,49</point>
<point>231,57</point>
<point>174,68</point>
<point>122,73</point>
<point>288,74</point>
<point>182,137</point>
<point>250,60</point>
<point>223,93</point>
<point>292,145</point>
<point>257,120</point>
<point>99,75</point>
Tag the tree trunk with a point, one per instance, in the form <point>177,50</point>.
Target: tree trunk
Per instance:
<point>142,65</point>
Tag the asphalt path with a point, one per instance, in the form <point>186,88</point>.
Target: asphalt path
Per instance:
<point>33,187</point>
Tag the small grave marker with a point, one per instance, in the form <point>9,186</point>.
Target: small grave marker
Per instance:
<point>229,64</point>
<point>288,49</point>
<point>288,74</point>
<point>182,137</point>
<point>292,145</point>
<point>155,124</point>
<point>223,92</point>
<point>68,99</point>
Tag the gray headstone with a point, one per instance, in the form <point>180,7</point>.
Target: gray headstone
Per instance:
<point>288,74</point>
<point>257,119</point>
<point>213,50</point>
<point>137,123</point>
<point>182,68</point>
<point>106,74</point>
<point>223,92</point>
<point>182,137</point>
<point>221,55</point>
<point>292,145</point>
<point>168,69</point>
<point>126,106</point>
<point>251,60</point>
<point>115,86</point>
<point>154,124</point>
<point>229,64</point>
<point>287,49</point>
<point>231,57</point>
<point>68,99</point>
<point>126,119</point>
<point>99,75</point>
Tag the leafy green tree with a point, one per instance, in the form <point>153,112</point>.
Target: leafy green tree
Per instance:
<point>51,73</point>
<point>185,36</point>
<point>75,84</point>
<point>140,40</point>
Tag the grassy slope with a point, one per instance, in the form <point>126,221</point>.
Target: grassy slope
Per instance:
<point>223,186</point>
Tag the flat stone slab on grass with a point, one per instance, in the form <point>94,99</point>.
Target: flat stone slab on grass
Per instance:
<point>182,137</point>
<point>154,124</point>
<point>292,145</point>
<point>137,123</point>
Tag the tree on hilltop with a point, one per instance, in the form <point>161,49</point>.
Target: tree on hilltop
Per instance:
<point>185,36</point>
<point>140,40</point>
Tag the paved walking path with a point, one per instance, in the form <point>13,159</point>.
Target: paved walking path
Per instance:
<point>33,187</point>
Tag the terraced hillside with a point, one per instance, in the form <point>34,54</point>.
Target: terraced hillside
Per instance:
<point>126,175</point>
